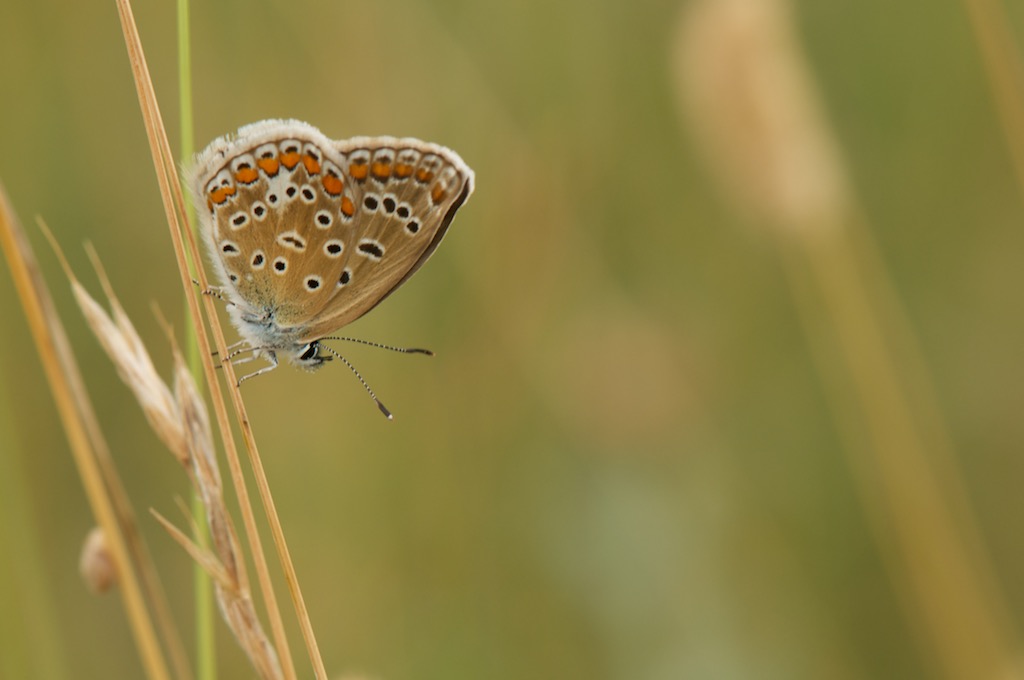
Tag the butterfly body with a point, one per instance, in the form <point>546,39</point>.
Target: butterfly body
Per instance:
<point>307,234</point>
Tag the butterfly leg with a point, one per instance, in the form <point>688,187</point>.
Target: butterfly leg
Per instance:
<point>232,349</point>
<point>217,292</point>
<point>271,357</point>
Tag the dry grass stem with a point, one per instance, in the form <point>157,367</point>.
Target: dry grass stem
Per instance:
<point>174,207</point>
<point>118,494</point>
<point>1002,63</point>
<point>180,420</point>
<point>231,583</point>
<point>82,431</point>
<point>753,104</point>
<point>204,558</point>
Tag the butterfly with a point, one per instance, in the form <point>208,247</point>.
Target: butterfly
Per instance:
<point>307,234</point>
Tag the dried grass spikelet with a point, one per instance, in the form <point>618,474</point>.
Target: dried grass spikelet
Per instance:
<point>751,103</point>
<point>96,564</point>
<point>181,421</point>
<point>224,561</point>
<point>123,345</point>
<point>185,245</point>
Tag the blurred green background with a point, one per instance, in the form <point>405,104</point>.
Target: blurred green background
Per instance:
<point>621,463</point>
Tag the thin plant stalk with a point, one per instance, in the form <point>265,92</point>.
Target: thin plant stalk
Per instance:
<point>915,502</point>
<point>175,214</point>
<point>69,394</point>
<point>175,211</point>
<point>1001,61</point>
<point>179,418</point>
<point>119,495</point>
<point>753,103</point>
<point>33,645</point>
<point>206,649</point>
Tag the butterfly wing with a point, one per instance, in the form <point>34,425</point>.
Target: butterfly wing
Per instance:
<point>406,194</point>
<point>314,233</point>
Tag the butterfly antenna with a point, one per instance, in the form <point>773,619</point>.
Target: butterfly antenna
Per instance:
<point>383,409</point>
<point>400,350</point>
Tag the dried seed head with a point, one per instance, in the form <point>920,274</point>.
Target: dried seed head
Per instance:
<point>751,102</point>
<point>96,565</point>
<point>123,345</point>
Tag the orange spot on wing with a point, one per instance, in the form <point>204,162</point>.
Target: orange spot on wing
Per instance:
<point>424,175</point>
<point>290,159</point>
<point>358,171</point>
<point>438,193</point>
<point>221,194</point>
<point>246,174</point>
<point>269,165</point>
<point>312,164</point>
<point>381,170</point>
<point>402,170</point>
<point>347,208</point>
<point>332,184</point>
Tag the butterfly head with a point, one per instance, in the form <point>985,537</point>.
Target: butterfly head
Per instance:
<point>261,331</point>
<point>309,356</point>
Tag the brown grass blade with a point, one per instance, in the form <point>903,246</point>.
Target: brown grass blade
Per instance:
<point>180,420</point>
<point>79,424</point>
<point>171,193</point>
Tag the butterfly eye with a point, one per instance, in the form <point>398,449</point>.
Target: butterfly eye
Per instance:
<point>309,352</point>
